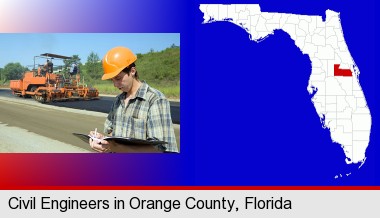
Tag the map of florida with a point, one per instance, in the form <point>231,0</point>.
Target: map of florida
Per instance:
<point>334,80</point>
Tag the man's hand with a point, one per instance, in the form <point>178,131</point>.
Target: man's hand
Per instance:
<point>97,143</point>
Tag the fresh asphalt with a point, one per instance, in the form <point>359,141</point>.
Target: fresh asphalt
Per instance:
<point>102,105</point>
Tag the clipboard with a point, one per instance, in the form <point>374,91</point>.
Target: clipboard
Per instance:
<point>123,140</point>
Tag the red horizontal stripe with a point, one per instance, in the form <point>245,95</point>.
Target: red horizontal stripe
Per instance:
<point>190,188</point>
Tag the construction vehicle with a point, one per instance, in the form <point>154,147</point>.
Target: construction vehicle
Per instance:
<point>45,85</point>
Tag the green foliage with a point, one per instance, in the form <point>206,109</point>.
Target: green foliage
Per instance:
<point>13,71</point>
<point>3,79</point>
<point>93,68</point>
<point>69,62</point>
<point>170,91</point>
<point>159,69</point>
<point>106,87</point>
<point>74,59</point>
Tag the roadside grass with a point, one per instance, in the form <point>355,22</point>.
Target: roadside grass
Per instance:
<point>171,90</point>
<point>106,88</point>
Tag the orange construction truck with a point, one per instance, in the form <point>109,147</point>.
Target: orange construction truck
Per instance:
<point>45,86</point>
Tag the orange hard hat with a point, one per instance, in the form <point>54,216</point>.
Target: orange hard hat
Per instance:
<point>116,60</point>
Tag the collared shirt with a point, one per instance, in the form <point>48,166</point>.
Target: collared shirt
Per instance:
<point>147,115</point>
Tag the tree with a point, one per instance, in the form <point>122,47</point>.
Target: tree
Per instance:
<point>13,71</point>
<point>94,66</point>
<point>69,62</point>
<point>1,75</point>
<point>74,59</point>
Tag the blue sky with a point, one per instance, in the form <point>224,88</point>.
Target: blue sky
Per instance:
<point>23,47</point>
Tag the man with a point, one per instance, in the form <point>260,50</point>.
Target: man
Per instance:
<point>73,69</point>
<point>48,66</point>
<point>140,111</point>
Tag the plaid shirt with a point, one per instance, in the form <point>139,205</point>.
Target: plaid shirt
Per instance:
<point>147,115</point>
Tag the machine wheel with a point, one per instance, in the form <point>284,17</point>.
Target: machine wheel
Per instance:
<point>41,98</point>
<point>44,97</point>
<point>33,89</point>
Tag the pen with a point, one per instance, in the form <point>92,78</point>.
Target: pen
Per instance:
<point>94,136</point>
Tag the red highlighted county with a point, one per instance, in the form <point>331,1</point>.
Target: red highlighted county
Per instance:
<point>341,72</point>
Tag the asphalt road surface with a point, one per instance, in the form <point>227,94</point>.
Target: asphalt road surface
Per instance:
<point>46,121</point>
<point>102,105</point>
<point>36,127</point>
